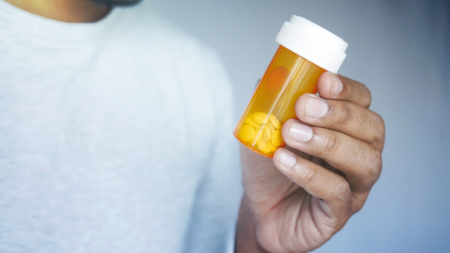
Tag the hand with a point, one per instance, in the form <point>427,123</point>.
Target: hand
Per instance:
<point>300,199</point>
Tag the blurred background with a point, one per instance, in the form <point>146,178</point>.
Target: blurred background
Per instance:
<point>401,50</point>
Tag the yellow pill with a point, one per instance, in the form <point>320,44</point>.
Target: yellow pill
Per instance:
<point>276,138</point>
<point>263,147</point>
<point>271,128</point>
<point>247,133</point>
<point>251,122</point>
<point>274,121</point>
<point>260,117</point>
<point>265,133</point>
<point>271,147</point>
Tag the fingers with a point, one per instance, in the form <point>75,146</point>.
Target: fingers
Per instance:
<point>342,116</point>
<point>358,161</point>
<point>333,86</point>
<point>316,180</point>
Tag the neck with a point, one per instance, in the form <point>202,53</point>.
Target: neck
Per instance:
<point>71,11</point>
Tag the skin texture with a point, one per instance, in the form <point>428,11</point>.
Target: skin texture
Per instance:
<point>298,208</point>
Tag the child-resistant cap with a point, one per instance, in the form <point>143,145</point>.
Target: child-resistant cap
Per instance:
<point>313,43</point>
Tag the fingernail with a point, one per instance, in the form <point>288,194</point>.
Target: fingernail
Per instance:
<point>336,85</point>
<point>287,159</point>
<point>300,133</point>
<point>315,107</point>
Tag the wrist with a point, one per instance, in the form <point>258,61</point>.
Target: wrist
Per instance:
<point>246,239</point>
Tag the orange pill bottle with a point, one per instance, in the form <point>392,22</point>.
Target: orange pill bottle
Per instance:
<point>306,51</point>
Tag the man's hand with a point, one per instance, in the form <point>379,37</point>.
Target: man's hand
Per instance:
<point>301,198</point>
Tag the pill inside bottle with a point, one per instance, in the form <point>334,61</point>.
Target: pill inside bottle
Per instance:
<point>306,51</point>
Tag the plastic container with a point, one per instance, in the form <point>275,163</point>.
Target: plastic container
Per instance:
<point>306,51</point>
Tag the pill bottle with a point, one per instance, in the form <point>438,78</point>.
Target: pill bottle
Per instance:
<point>306,51</point>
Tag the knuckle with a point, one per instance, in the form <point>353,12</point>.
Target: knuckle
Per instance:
<point>375,166</point>
<point>345,115</point>
<point>309,175</point>
<point>378,134</point>
<point>332,143</point>
<point>342,190</point>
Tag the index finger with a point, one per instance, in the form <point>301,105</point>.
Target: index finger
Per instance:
<point>333,86</point>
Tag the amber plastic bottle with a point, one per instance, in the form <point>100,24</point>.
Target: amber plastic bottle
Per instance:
<point>306,51</point>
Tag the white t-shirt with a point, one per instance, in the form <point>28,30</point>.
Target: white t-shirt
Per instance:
<point>115,136</point>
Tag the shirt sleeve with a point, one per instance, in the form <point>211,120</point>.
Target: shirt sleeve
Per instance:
<point>215,212</point>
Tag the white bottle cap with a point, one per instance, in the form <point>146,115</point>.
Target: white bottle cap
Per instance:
<point>313,43</point>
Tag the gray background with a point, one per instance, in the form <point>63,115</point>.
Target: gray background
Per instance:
<point>401,51</point>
